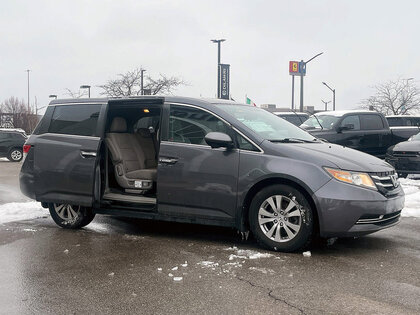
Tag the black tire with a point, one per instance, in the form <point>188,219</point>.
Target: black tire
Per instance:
<point>300,214</point>
<point>15,155</point>
<point>70,216</point>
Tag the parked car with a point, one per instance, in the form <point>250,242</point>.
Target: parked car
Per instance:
<point>405,156</point>
<point>366,131</point>
<point>11,143</point>
<point>296,118</point>
<point>204,161</point>
<point>403,120</point>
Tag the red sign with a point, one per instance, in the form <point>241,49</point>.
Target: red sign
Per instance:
<point>294,67</point>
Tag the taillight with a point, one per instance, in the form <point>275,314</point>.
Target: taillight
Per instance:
<point>26,148</point>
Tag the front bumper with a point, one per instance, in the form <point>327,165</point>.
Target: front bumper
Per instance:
<point>405,164</point>
<point>345,210</point>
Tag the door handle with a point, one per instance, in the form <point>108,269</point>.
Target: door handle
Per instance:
<point>87,154</point>
<point>167,160</point>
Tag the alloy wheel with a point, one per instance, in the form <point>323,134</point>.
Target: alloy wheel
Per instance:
<point>279,218</point>
<point>16,155</point>
<point>67,212</point>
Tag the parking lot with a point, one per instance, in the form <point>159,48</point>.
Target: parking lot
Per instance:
<point>134,266</point>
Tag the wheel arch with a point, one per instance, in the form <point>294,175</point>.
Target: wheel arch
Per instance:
<point>243,221</point>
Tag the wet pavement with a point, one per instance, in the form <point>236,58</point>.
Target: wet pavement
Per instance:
<point>135,266</point>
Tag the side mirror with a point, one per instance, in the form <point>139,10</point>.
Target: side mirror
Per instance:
<point>218,140</point>
<point>346,127</point>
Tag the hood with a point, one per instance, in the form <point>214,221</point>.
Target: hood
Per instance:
<point>333,155</point>
<point>410,146</point>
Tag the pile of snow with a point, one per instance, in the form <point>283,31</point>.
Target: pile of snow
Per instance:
<point>18,211</point>
<point>247,254</point>
<point>411,188</point>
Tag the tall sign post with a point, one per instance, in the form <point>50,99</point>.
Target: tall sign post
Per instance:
<point>224,74</point>
<point>300,71</point>
<point>293,70</point>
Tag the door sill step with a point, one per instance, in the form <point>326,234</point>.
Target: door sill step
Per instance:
<point>128,198</point>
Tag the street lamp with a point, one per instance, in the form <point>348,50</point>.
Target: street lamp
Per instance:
<point>218,41</point>
<point>86,87</point>
<point>141,81</point>
<point>333,90</point>
<point>52,96</point>
<point>29,106</point>
<point>303,63</point>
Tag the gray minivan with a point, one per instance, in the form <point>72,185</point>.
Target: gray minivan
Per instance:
<point>207,162</point>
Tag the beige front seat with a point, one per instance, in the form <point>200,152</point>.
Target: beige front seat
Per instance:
<point>133,169</point>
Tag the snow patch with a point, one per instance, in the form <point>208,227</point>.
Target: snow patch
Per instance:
<point>208,264</point>
<point>247,254</point>
<point>411,188</point>
<point>307,254</point>
<point>18,211</point>
<point>177,278</point>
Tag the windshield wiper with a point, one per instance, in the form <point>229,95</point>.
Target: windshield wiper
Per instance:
<point>294,140</point>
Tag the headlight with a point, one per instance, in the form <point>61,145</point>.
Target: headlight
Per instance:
<point>355,178</point>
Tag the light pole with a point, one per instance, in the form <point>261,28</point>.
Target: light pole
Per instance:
<point>29,106</point>
<point>303,69</point>
<point>218,41</point>
<point>141,81</point>
<point>86,87</point>
<point>333,90</point>
<point>326,104</point>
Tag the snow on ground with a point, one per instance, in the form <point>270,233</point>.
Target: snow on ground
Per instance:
<point>18,211</point>
<point>412,197</point>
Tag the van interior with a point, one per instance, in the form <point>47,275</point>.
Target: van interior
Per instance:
<point>129,155</point>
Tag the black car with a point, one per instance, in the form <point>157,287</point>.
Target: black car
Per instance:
<point>11,143</point>
<point>296,118</point>
<point>405,156</point>
<point>366,131</point>
<point>204,161</point>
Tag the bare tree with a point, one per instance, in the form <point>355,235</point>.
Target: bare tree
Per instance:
<point>21,116</point>
<point>129,84</point>
<point>394,98</point>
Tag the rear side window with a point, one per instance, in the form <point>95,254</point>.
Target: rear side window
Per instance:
<point>78,120</point>
<point>394,121</point>
<point>371,122</point>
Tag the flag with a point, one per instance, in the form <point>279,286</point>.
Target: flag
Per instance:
<point>249,101</point>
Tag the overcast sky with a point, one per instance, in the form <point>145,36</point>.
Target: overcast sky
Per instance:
<point>69,43</point>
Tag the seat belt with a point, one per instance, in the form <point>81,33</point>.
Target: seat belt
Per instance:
<point>155,144</point>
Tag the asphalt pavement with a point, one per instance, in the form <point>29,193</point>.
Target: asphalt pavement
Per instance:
<point>126,266</point>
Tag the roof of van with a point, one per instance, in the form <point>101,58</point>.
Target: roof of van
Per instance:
<point>178,99</point>
<point>291,113</point>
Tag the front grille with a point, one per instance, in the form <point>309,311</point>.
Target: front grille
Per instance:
<point>406,154</point>
<point>380,220</point>
<point>385,183</point>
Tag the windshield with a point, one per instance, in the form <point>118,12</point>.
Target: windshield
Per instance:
<point>320,122</point>
<point>416,137</point>
<point>266,124</point>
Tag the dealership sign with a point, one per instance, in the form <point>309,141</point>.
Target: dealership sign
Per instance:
<point>297,68</point>
<point>224,72</point>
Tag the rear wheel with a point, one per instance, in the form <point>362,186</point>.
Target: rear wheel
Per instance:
<point>15,155</point>
<point>70,216</point>
<point>281,218</point>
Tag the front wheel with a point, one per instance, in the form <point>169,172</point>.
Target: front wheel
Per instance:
<point>281,218</point>
<point>15,155</point>
<point>70,216</point>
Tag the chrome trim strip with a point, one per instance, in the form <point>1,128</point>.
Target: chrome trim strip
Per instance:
<point>369,221</point>
<point>381,178</point>
<point>222,119</point>
<point>68,135</point>
<point>87,103</point>
<point>204,146</point>
<point>384,185</point>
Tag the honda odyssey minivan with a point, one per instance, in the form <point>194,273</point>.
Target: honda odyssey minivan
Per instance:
<point>207,162</point>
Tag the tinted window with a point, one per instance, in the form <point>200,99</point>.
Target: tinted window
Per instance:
<point>321,121</point>
<point>295,120</point>
<point>371,122</point>
<point>351,120</point>
<point>394,121</point>
<point>190,125</point>
<point>75,119</point>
